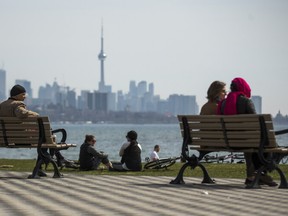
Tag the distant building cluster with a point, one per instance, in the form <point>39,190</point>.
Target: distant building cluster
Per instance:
<point>140,97</point>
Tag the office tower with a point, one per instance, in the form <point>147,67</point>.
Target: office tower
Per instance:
<point>101,101</point>
<point>142,88</point>
<point>71,98</point>
<point>83,100</point>
<point>257,100</point>
<point>2,85</point>
<point>182,104</point>
<point>151,89</point>
<point>133,89</point>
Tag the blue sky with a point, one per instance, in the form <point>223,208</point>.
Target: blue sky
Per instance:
<point>179,45</point>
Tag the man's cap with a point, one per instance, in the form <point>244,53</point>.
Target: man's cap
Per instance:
<point>16,90</point>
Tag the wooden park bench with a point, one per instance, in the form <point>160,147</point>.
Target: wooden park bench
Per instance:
<point>233,133</point>
<point>33,132</point>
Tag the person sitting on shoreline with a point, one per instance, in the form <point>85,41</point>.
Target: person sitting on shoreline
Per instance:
<point>130,152</point>
<point>90,158</point>
<point>154,155</point>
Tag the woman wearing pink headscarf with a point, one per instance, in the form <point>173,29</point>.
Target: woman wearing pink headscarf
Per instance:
<point>238,102</point>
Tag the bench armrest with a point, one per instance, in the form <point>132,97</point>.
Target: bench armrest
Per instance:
<point>281,132</point>
<point>64,134</point>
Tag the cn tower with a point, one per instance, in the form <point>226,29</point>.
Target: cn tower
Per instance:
<point>102,57</point>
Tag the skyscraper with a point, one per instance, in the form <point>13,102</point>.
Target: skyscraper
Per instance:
<point>257,100</point>
<point>2,84</point>
<point>102,56</point>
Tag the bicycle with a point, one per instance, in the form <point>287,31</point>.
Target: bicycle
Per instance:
<point>224,158</point>
<point>161,163</point>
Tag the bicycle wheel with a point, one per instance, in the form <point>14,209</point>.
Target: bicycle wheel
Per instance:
<point>160,164</point>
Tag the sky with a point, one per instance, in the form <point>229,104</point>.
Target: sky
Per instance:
<point>182,46</point>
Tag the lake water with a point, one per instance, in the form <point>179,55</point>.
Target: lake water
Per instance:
<point>111,136</point>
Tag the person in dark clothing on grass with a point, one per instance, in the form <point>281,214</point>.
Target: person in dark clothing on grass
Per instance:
<point>130,152</point>
<point>90,158</point>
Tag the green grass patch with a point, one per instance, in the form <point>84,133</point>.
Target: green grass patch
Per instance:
<point>216,170</point>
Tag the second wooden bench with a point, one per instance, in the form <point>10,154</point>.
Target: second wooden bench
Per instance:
<point>233,133</point>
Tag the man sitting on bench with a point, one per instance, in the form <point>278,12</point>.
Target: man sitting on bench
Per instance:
<point>14,106</point>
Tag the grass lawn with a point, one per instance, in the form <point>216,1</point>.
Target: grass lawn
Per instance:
<point>216,170</point>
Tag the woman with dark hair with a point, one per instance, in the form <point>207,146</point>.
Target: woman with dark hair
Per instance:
<point>238,102</point>
<point>130,152</point>
<point>89,157</point>
<point>215,93</point>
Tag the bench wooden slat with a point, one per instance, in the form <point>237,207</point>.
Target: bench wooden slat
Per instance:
<point>230,118</point>
<point>44,145</point>
<point>229,126</point>
<point>58,145</point>
<point>230,134</point>
<point>243,149</point>
<point>232,143</point>
<point>12,120</point>
<point>20,127</point>
<point>24,127</point>
<point>21,133</point>
<point>27,140</point>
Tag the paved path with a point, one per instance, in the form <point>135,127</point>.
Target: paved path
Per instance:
<point>134,195</point>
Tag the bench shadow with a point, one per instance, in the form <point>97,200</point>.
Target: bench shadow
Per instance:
<point>13,177</point>
<point>227,186</point>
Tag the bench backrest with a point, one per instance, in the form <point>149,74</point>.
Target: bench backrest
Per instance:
<point>15,132</point>
<point>233,131</point>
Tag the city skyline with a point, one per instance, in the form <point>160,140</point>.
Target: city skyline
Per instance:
<point>138,92</point>
<point>181,46</point>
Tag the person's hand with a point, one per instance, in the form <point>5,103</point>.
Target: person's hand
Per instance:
<point>31,113</point>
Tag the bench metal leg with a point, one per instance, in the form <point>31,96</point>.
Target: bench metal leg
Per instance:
<point>179,179</point>
<point>44,158</point>
<point>36,169</point>
<point>283,180</point>
<point>57,173</point>
<point>206,177</point>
